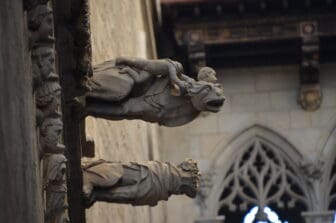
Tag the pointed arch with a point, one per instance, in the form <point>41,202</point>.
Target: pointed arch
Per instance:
<point>235,159</point>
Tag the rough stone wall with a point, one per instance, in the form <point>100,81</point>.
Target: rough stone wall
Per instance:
<point>119,28</point>
<point>20,176</point>
<point>266,96</point>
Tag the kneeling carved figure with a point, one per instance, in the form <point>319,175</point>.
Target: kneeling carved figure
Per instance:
<point>151,90</point>
<point>138,183</point>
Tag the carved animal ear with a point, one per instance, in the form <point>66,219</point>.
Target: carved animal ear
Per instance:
<point>188,165</point>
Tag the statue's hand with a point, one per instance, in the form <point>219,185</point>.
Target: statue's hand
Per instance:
<point>127,70</point>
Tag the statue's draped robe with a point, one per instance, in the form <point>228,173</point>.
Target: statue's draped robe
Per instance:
<point>153,181</point>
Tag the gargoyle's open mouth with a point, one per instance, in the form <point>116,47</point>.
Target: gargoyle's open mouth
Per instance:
<point>215,105</point>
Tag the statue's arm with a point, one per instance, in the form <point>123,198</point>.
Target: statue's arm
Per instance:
<point>132,62</point>
<point>140,77</point>
<point>187,78</point>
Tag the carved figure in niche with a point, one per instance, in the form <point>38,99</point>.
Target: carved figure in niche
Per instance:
<point>138,183</point>
<point>128,93</point>
<point>48,101</point>
<point>40,24</point>
<point>56,190</point>
<point>43,64</point>
<point>50,131</point>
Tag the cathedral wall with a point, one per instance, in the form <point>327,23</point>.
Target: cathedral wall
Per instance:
<point>264,96</point>
<point>120,28</point>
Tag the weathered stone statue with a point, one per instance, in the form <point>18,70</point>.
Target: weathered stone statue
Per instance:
<point>40,24</point>
<point>144,89</point>
<point>138,183</point>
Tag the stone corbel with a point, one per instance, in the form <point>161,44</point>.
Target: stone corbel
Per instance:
<point>138,183</point>
<point>310,94</point>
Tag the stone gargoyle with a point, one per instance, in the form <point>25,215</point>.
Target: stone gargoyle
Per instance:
<point>151,90</point>
<point>138,183</point>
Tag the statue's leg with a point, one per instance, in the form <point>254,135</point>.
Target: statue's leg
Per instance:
<point>110,111</point>
<point>132,62</point>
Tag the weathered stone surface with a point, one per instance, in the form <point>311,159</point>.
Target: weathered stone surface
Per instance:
<point>133,88</point>
<point>107,19</point>
<point>138,183</point>
<point>20,190</point>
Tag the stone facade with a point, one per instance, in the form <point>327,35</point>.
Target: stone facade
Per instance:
<point>120,28</point>
<point>256,98</point>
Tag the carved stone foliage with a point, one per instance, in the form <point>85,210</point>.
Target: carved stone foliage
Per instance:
<point>206,184</point>
<point>138,183</point>
<point>261,176</point>
<point>312,172</point>
<point>151,90</point>
<point>49,124</point>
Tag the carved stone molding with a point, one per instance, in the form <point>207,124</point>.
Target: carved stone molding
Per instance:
<point>49,123</point>
<point>319,217</point>
<point>138,183</point>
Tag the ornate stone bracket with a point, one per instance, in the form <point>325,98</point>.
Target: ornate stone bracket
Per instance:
<point>138,183</point>
<point>49,123</point>
<point>310,94</point>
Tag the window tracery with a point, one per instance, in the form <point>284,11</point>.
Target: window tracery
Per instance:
<point>262,176</point>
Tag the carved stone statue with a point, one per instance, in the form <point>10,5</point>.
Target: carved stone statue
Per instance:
<point>43,64</point>
<point>144,89</point>
<point>56,190</point>
<point>40,24</point>
<point>50,131</point>
<point>138,183</point>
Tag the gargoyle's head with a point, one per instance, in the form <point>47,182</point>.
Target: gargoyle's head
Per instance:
<point>190,177</point>
<point>207,96</point>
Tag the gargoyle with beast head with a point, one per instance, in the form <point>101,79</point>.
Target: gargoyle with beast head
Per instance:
<point>151,90</point>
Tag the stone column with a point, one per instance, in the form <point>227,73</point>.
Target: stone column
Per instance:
<point>20,187</point>
<point>319,216</point>
<point>218,219</point>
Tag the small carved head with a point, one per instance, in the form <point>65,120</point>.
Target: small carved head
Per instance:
<point>310,97</point>
<point>190,177</point>
<point>207,74</point>
<point>43,62</point>
<point>207,96</point>
<point>41,23</point>
<point>51,130</point>
<point>55,169</point>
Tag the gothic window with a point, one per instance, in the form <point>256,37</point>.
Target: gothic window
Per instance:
<point>263,177</point>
